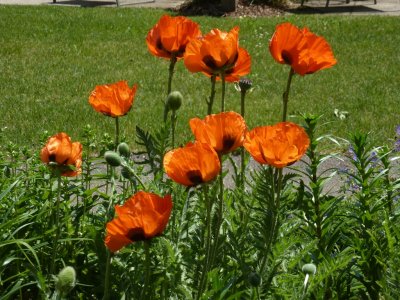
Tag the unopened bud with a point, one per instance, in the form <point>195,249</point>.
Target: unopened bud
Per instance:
<point>126,173</point>
<point>123,149</point>
<point>113,158</point>
<point>309,269</point>
<point>65,280</point>
<point>174,101</point>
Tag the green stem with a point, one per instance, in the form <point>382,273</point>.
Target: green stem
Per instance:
<point>106,294</point>
<point>210,102</point>
<point>145,290</point>
<point>173,124</point>
<point>207,258</point>
<point>57,225</point>
<point>116,132</point>
<point>171,73</point>
<point>223,92</point>
<point>242,163</point>
<point>286,95</point>
<point>219,215</point>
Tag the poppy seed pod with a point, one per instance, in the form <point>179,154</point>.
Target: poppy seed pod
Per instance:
<point>174,101</point>
<point>113,158</point>
<point>65,280</point>
<point>123,149</point>
<point>245,84</point>
<point>309,269</point>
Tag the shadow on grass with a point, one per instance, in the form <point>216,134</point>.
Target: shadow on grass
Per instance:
<point>84,3</point>
<point>305,10</point>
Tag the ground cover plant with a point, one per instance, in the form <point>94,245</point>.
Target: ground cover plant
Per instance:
<point>214,202</point>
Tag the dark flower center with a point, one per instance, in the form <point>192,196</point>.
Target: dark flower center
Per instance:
<point>210,62</point>
<point>159,44</point>
<point>287,57</point>
<point>136,234</point>
<point>180,51</point>
<point>227,143</point>
<point>195,177</point>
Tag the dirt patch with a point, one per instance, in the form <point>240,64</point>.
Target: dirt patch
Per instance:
<point>245,8</point>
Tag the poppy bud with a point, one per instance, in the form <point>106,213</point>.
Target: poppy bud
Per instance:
<point>254,279</point>
<point>123,149</point>
<point>174,101</point>
<point>65,280</point>
<point>113,158</point>
<point>309,269</point>
<point>126,173</point>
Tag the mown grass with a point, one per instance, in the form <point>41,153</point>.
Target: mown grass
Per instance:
<point>51,58</point>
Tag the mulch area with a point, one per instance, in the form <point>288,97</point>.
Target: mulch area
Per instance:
<point>245,8</point>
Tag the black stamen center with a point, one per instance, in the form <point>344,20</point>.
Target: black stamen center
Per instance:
<point>210,62</point>
<point>227,143</point>
<point>287,57</point>
<point>136,234</point>
<point>195,177</point>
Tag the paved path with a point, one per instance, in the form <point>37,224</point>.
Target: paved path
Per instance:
<point>358,7</point>
<point>85,3</point>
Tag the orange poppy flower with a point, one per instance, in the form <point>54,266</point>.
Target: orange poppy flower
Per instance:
<point>278,145</point>
<point>141,217</point>
<point>169,37</point>
<point>224,131</point>
<point>304,51</point>
<point>113,100</point>
<point>192,165</point>
<point>218,52</point>
<point>60,150</point>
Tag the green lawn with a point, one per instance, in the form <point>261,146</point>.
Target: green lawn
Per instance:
<point>52,57</point>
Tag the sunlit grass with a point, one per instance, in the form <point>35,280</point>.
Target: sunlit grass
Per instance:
<point>52,57</point>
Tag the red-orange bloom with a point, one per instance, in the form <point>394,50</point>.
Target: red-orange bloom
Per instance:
<point>193,164</point>
<point>278,145</point>
<point>65,155</point>
<point>141,217</point>
<point>113,100</point>
<point>169,37</point>
<point>304,51</point>
<point>218,53</point>
<point>224,131</point>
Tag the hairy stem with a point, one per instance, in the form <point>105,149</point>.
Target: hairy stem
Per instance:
<point>210,101</point>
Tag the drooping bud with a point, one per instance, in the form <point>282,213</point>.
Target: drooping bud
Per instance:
<point>113,158</point>
<point>126,173</point>
<point>65,280</point>
<point>123,149</point>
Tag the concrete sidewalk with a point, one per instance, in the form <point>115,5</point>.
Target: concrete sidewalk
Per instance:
<point>358,7</point>
<point>92,3</point>
<point>340,7</point>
